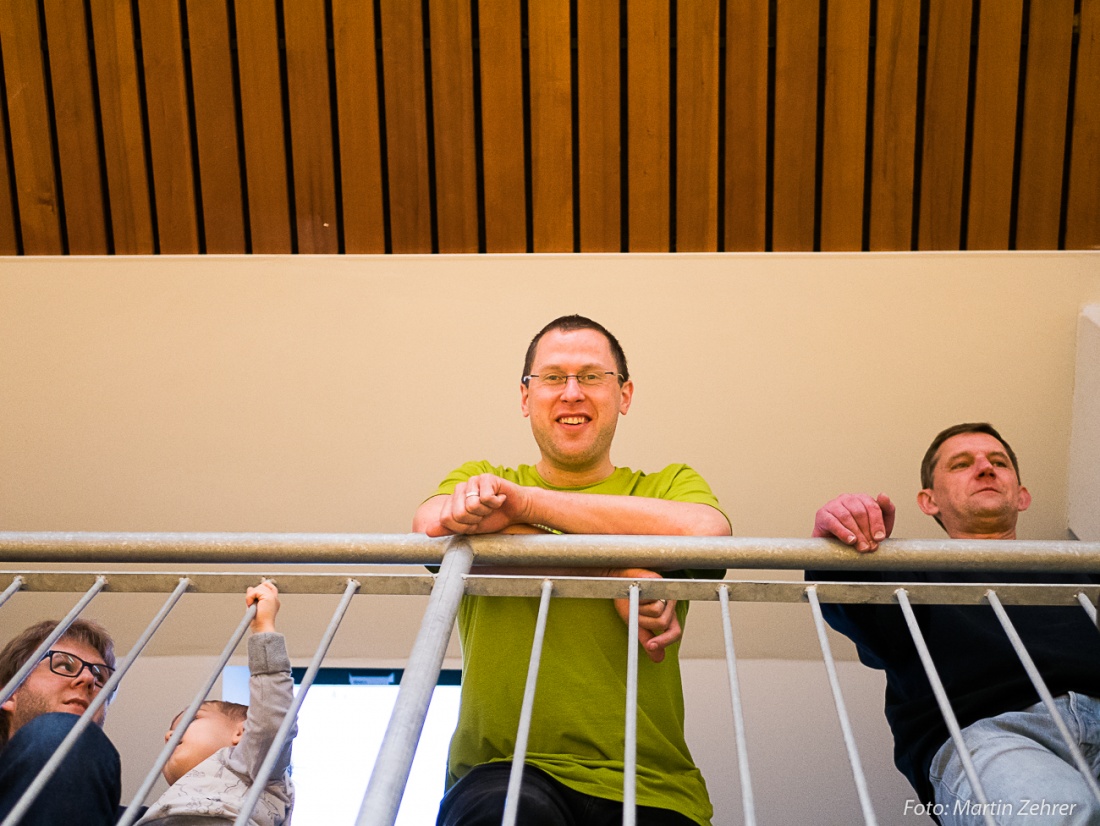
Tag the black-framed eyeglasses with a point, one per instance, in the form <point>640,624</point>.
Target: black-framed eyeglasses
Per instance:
<point>589,378</point>
<point>69,665</point>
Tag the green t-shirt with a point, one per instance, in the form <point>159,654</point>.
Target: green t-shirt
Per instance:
<point>577,727</point>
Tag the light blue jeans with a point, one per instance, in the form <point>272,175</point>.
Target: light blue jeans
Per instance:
<point>1025,768</point>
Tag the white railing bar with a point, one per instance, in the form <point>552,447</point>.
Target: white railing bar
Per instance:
<point>259,782</point>
<point>132,811</point>
<point>58,632</point>
<point>1044,693</point>
<point>944,704</point>
<point>1090,609</point>
<point>630,738</point>
<point>102,696</point>
<point>16,584</point>
<point>747,802</point>
<point>515,776</point>
<point>394,760</point>
<point>841,709</point>
<point>539,551</point>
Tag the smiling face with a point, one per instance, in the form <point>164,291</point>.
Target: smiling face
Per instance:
<point>975,490</point>
<point>210,731</point>
<point>44,692</point>
<point>573,425</point>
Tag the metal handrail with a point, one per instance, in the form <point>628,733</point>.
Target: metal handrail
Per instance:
<point>659,552</point>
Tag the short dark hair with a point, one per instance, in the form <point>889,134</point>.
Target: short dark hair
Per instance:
<point>569,323</point>
<point>20,648</point>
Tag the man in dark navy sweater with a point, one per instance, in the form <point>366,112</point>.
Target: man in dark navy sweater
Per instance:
<point>971,487</point>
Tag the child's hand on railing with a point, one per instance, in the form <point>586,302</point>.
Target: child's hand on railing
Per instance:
<point>266,598</point>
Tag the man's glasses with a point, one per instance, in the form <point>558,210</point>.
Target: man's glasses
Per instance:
<point>591,378</point>
<point>69,665</point>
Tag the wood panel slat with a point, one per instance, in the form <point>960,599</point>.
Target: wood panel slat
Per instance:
<point>845,124</point>
<point>897,38</point>
<point>216,126</point>
<point>989,206</point>
<point>315,211</point>
<point>551,126</point>
<point>697,126</point>
<point>598,107</point>
<point>648,126</point>
<point>263,127</point>
<point>502,140</point>
<point>1043,142</point>
<point>124,150</point>
<point>77,139</point>
<point>943,156</point>
<point>169,127</point>
<point>9,239</point>
<point>406,126</point>
<point>1083,208</point>
<point>360,132</point>
<point>794,176</point>
<point>29,123</point>
<point>452,55</point>
<point>746,146</point>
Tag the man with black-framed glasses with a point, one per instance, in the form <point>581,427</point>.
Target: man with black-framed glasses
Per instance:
<point>40,713</point>
<point>574,387</point>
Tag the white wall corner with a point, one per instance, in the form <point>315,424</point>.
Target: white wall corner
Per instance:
<point>1084,444</point>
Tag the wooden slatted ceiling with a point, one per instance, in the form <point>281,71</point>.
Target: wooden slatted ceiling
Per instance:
<point>219,126</point>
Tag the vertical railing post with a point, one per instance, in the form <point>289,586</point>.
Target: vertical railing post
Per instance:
<point>748,804</point>
<point>395,757</point>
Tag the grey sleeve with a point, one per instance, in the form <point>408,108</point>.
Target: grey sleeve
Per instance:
<point>271,691</point>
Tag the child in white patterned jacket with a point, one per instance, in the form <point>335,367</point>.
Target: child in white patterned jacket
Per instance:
<point>212,768</point>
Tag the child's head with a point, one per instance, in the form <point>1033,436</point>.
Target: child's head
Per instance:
<point>217,725</point>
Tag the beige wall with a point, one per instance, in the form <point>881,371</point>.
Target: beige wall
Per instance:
<point>332,393</point>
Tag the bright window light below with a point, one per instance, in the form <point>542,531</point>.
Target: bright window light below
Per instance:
<point>340,729</point>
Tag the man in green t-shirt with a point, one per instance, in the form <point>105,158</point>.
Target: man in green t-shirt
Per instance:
<point>575,385</point>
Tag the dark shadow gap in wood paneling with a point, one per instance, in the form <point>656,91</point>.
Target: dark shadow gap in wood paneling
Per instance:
<point>139,66</point>
<point>769,152</point>
<point>575,128</point>
<point>819,129</point>
<point>869,127</point>
<point>720,207</point>
<point>479,135</point>
<point>189,93</point>
<point>1017,157</point>
<point>101,150</point>
<point>13,192</point>
<point>1063,216</point>
<point>528,171</point>
<point>918,144</point>
<point>242,160</point>
<point>672,148</point>
<point>624,127</point>
<point>288,144</point>
<point>433,201</point>
<point>334,124</point>
<point>51,116</point>
<point>968,139</point>
<point>383,139</point>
